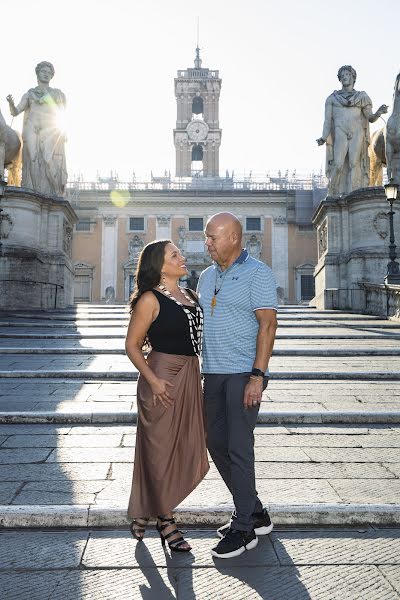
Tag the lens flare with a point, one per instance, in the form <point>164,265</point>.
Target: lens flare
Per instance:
<point>120,198</point>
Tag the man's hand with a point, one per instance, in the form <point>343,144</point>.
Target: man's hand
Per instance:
<point>321,141</point>
<point>382,110</point>
<point>253,392</point>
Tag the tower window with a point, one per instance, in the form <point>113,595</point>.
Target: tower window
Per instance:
<point>197,152</point>
<point>197,105</point>
<point>195,223</point>
<point>253,224</point>
<point>136,223</point>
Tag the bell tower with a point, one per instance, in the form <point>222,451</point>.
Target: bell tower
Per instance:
<point>197,136</point>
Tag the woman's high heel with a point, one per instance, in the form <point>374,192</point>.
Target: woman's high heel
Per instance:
<point>138,526</point>
<point>176,544</point>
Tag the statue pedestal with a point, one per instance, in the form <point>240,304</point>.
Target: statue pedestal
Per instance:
<point>36,269</point>
<point>353,247</point>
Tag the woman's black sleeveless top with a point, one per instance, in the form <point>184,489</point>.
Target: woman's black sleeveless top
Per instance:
<point>170,331</point>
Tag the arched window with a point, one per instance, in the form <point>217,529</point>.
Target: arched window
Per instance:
<point>197,153</point>
<point>197,105</point>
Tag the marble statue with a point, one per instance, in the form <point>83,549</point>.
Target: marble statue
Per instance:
<point>253,247</point>
<point>192,280</point>
<point>10,153</point>
<point>348,114</point>
<point>393,136</point>
<point>43,154</point>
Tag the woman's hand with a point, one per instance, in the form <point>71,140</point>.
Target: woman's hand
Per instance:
<point>160,392</point>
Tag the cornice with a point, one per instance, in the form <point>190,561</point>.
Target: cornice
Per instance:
<point>52,202</point>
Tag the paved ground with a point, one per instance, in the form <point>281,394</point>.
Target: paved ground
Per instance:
<point>327,454</point>
<point>290,564</point>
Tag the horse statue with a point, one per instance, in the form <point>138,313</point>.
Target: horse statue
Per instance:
<point>10,153</point>
<point>393,136</point>
<point>384,149</point>
<point>377,156</point>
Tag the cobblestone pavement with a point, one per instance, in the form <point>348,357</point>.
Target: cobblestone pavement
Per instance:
<point>327,450</point>
<point>290,564</point>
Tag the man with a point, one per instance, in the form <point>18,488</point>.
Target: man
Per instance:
<point>238,296</point>
<point>346,133</point>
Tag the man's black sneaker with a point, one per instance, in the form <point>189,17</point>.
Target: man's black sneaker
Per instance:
<point>235,543</point>
<point>262,524</point>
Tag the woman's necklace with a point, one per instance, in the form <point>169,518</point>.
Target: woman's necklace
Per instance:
<point>195,321</point>
<point>168,293</point>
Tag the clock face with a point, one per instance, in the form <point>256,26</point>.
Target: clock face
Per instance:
<point>197,130</point>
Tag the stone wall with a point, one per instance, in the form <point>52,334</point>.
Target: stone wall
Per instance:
<point>36,269</point>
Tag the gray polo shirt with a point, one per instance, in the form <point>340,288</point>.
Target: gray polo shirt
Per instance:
<point>230,330</point>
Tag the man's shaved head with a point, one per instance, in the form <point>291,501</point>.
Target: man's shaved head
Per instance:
<point>227,221</point>
<point>223,238</point>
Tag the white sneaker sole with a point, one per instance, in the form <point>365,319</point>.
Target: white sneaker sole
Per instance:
<point>258,530</point>
<point>238,552</point>
<point>264,530</point>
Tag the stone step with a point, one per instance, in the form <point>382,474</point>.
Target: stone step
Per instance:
<point>97,414</point>
<point>122,324</point>
<point>79,476</point>
<point>115,375</point>
<point>86,515</point>
<point>372,336</point>
<point>317,352</point>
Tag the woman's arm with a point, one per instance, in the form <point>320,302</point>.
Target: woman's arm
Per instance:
<point>144,313</point>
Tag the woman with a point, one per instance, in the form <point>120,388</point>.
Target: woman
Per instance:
<point>170,456</point>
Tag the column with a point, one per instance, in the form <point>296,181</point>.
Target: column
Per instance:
<point>280,255</point>
<point>109,255</point>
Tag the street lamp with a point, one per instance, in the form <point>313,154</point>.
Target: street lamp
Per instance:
<point>3,184</point>
<point>393,268</point>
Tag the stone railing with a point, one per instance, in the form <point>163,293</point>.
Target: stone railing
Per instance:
<point>369,298</point>
<point>382,299</point>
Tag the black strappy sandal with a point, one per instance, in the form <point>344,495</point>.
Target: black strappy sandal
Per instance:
<point>176,544</point>
<point>138,526</point>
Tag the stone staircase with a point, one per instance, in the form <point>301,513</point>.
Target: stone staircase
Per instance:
<point>327,440</point>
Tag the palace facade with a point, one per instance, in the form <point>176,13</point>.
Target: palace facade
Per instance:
<point>117,219</point>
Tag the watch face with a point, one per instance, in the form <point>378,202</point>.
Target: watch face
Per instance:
<point>197,130</point>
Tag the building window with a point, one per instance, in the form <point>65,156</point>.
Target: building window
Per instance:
<point>308,227</point>
<point>83,225</point>
<point>195,223</point>
<point>253,224</point>
<point>136,223</point>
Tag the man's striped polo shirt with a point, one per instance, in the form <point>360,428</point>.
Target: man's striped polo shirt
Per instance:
<point>230,330</point>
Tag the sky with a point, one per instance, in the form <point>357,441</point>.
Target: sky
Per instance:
<point>116,61</point>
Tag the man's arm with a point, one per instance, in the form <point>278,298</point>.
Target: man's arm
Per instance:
<point>16,110</point>
<point>267,325</point>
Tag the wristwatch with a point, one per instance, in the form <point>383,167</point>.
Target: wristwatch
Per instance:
<point>257,372</point>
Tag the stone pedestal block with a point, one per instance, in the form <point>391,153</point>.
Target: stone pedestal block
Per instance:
<point>36,269</point>
<point>353,247</point>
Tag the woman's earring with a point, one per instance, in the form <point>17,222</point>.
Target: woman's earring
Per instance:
<point>162,278</point>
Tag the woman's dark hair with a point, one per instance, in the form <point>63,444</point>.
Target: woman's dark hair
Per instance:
<point>148,272</point>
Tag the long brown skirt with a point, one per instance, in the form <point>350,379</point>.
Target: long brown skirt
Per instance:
<point>170,455</point>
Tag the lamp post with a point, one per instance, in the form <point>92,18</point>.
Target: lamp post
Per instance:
<point>3,184</point>
<point>393,268</point>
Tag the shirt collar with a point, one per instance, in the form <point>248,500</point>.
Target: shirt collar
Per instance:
<point>243,256</point>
